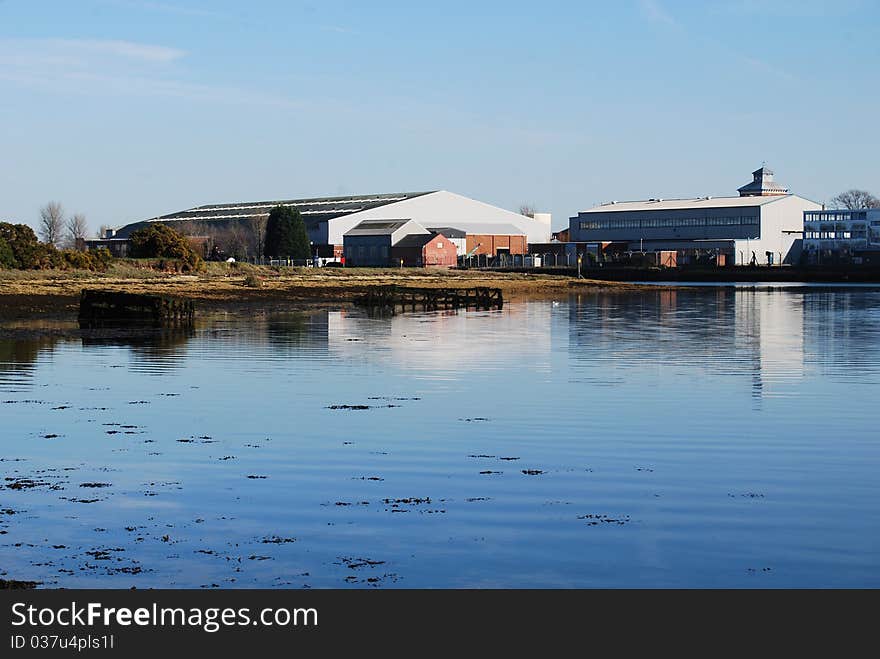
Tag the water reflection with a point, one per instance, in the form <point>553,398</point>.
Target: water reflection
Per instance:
<point>765,335</point>
<point>674,438</point>
<point>153,350</point>
<point>18,359</point>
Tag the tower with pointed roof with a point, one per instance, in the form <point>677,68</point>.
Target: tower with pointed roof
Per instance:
<point>762,185</point>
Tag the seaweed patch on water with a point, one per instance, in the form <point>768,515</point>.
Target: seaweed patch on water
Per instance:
<point>533,472</point>
<point>25,483</point>
<point>359,407</point>
<point>276,540</point>
<point>15,584</point>
<point>593,519</point>
<point>474,419</point>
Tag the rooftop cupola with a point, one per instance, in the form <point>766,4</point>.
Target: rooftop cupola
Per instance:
<point>762,185</point>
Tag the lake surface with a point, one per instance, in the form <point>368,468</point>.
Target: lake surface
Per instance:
<point>675,438</point>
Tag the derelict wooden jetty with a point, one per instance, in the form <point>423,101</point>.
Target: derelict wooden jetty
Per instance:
<point>389,297</point>
<point>112,309</point>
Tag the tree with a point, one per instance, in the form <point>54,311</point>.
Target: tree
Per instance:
<point>77,229</point>
<point>258,233</point>
<point>7,258</point>
<point>23,244</point>
<point>855,199</point>
<point>286,234</point>
<point>51,222</point>
<point>527,209</point>
<point>161,241</point>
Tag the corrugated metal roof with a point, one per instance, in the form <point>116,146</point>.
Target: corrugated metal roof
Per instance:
<point>682,204</point>
<point>415,240</point>
<point>380,227</point>
<point>313,211</point>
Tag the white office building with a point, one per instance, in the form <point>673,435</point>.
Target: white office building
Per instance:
<point>762,225</point>
<point>841,234</point>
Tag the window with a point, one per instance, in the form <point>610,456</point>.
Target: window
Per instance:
<point>439,244</point>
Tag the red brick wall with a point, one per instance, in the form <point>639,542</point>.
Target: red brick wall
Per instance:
<point>440,252</point>
<point>491,244</point>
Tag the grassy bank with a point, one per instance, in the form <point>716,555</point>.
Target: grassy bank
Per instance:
<point>47,293</point>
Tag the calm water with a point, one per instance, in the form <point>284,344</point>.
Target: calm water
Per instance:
<point>698,438</point>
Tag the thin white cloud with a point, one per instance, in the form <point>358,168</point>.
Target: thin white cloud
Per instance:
<point>85,51</point>
<point>656,13</point>
<point>114,68</point>
<point>127,49</point>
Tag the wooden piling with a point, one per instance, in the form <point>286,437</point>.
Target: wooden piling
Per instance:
<point>431,299</point>
<point>112,309</point>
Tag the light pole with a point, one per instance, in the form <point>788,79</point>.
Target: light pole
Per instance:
<point>580,258</point>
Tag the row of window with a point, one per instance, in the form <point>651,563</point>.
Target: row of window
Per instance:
<point>835,235</point>
<point>834,216</point>
<point>840,226</point>
<point>667,222</point>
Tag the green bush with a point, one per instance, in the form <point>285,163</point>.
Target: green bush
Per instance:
<point>97,261</point>
<point>161,241</point>
<point>26,251</point>
<point>7,258</point>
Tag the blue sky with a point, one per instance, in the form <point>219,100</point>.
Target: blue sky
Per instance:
<point>126,109</point>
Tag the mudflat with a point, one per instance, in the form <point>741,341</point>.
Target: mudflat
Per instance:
<point>55,294</point>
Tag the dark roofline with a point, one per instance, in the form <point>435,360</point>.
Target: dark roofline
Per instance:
<point>377,199</point>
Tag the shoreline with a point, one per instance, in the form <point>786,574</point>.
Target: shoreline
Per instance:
<point>53,296</point>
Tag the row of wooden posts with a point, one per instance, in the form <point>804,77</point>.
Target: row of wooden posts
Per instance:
<point>479,297</point>
<point>105,308</point>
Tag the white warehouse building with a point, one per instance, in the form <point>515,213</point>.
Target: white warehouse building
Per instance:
<point>763,225</point>
<point>327,219</point>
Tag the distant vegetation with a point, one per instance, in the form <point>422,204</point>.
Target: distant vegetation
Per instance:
<point>286,235</point>
<point>855,200</point>
<point>161,241</point>
<point>20,250</point>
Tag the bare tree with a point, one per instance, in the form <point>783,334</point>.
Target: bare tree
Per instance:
<point>77,229</point>
<point>527,209</point>
<point>51,222</point>
<point>258,232</point>
<point>855,199</point>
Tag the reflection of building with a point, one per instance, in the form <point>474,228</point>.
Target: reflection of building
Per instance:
<point>761,225</point>
<point>841,234</point>
<point>444,343</point>
<point>757,335</point>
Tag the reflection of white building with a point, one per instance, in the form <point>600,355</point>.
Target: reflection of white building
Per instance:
<point>841,232</point>
<point>440,342</point>
<point>770,328</point>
